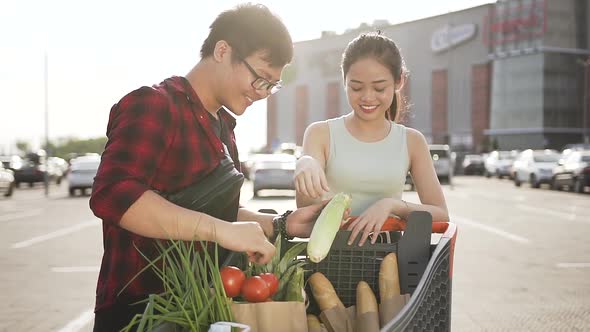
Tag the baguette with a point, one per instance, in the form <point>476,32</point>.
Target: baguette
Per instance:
<point>389,277</point>
<point>323,292</point>
<point>365,299</point>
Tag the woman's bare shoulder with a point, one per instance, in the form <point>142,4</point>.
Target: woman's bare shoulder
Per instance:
<point>415,137</point>
<point>318,129</point>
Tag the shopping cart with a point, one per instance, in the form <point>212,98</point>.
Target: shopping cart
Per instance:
<point>425,270</point>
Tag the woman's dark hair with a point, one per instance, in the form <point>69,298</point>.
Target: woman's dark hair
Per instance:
<point>248,28</point>
<point>383,49</point>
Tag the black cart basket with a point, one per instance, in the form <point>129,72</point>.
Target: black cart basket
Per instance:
<point>425,270</point>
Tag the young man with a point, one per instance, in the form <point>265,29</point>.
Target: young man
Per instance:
<point>172,135</point>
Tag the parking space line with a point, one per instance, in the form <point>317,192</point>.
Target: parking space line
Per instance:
<point>78,323</point>
<point>490,229</point>
<point>67,269</point>
<point>20,215</point>
<point>58,233</point>
<point>543,211</point>
<point>573,265</point>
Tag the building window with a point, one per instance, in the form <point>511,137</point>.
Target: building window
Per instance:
<point>480,103</point>
<point>439,107</point>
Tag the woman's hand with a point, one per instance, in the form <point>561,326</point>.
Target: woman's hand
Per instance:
<point>246,236</point>
<point>370,221</point>
<point>310,179</point>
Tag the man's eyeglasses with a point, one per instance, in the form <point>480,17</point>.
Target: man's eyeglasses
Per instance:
<point>261,83</point>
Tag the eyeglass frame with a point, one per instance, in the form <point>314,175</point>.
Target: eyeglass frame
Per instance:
<point>264,83</point>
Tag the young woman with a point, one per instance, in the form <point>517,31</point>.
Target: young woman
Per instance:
<point>366,153</point>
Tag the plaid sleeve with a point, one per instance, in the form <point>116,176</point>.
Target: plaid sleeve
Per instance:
<point>138,133</point>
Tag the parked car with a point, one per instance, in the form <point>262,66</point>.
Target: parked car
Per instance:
<point>247,165</point>
<point>577,146</point>
<point>442,160</point>
<point>573,172</point>
<point>82,173</point>
<point>473,164</point>
<point>33,169</point>
<point>273,171</point>
<point>7,183</point>
<point>499,163</point>
<point>58,165</point>
<point>290,148</point>
<point>535,167</point>
<point>12,162</point>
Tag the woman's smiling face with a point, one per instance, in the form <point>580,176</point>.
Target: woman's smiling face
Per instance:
<point>370,88</point>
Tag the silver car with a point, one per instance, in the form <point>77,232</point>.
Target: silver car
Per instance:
<point>442,160</point>
<point>273,171</point>
<point>499,163</point>
<point>534,166</point>
<point>82,173</point>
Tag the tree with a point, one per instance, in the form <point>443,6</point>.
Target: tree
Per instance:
<point>495,144</point>
<point>23,146</point>
<point>72,146</point>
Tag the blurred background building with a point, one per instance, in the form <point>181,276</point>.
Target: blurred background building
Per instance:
<point>507,75</point>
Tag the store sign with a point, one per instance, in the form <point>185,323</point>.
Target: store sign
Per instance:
<point>509,23</point>
<point>451,36</point>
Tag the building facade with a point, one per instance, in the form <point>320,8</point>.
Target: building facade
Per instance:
<point>539,48</point>
<point>507,75</point>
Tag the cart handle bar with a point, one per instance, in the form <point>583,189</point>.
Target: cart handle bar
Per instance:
<point>396,224</point>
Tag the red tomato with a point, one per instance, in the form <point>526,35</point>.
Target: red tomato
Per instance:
<point>272,281</point>
<point>232,279</point>
<point>255,290</point>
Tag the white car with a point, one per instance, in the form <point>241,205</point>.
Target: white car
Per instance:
<point>499,163</point>
<point>443,161</point>
<point>6,181</point>
<point>535,167</point>
<point>82,173</point>
<point>573,172</point>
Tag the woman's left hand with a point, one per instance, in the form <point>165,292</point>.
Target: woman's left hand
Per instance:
<point>370,221</point>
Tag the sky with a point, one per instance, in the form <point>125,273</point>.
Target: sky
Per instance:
<point>98,51</point>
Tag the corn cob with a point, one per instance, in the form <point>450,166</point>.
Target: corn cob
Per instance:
<point>326,226</point>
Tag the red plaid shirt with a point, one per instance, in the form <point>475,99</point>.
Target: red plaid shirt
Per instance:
<point>158,138</point>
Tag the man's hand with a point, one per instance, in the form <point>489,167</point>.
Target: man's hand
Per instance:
<point>300,223</point>
<point>246,236</point>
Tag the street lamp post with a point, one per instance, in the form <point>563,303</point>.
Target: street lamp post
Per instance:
<point>46,78</point>
<point>586,65</point>
<point>585,110</point>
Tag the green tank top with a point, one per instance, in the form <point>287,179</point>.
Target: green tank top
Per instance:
<point>367,171</point>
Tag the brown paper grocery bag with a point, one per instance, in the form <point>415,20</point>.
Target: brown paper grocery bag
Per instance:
<point>351,311</point>
<point>337,319</point>
<point>367,322</point>
<point>389,308</point>
<point>271,316</point>
<point>314,324</point>
<point>317,329</point>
